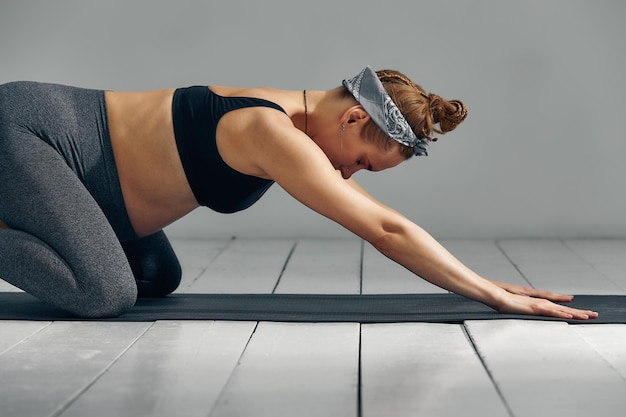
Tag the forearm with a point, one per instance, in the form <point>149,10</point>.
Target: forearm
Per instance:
<point>416,250</point>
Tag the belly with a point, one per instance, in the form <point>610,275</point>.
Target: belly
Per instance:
<point>155,188</point>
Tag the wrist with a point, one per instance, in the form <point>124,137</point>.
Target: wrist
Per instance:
<point>496,297</point>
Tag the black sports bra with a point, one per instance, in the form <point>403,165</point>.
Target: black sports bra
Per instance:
<point>196,112</point>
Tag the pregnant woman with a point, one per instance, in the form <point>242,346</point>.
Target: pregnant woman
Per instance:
<point>89,178</point>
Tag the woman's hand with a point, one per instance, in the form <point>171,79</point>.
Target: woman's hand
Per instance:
<point>526,300</point>
<point>532,292</point>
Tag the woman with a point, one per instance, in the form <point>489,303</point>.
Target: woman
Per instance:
<point>88,180</point>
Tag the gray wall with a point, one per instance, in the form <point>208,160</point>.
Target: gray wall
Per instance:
<point>541,154</point>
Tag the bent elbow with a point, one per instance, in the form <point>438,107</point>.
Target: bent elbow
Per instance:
<point>387,242</point>
<point>382,243</point>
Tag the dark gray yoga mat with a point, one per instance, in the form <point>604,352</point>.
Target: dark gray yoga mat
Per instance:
<point>383,308</point>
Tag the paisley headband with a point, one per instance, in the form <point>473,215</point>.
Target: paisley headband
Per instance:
<point>369,91</point>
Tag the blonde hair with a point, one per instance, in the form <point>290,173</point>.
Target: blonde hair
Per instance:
<point>421,109</point>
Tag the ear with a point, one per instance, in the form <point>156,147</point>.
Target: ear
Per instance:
<point>355,114</point>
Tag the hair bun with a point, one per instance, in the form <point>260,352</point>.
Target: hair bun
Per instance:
<point>451,114</point>
<point>427,113</point>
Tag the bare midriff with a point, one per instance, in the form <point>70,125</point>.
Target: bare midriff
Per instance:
<point>154,185</point>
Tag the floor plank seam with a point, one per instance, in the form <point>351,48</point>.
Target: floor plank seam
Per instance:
<point>517,268</point>
<point>232,372</point>
<point>608,362</point>
<point>26,338</point>
<point>361,266</point>
<point>591,265</point>
<point>203,270</point>
<point>63,407</point>
<point>472,342</point>
<point>282,271</point>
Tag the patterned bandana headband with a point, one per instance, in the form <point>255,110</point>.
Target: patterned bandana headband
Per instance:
<point>371,94</point>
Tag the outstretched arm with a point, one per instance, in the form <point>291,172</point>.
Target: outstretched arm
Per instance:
<point>428,259</point>
<point>536,306</point>
<point>305,173</point>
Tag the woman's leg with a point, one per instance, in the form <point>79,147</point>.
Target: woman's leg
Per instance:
<point>60,246</point>
<point>154,264</point>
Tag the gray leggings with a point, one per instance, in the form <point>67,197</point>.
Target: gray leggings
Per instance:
<point>70,241</point>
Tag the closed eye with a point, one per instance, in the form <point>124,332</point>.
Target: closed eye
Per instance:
<point>367,167</point>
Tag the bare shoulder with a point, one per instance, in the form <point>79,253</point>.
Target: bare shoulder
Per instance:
<point>244,135</point>
<point>300,167</point>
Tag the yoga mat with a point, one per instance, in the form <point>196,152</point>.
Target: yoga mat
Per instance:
<point>383,308</point>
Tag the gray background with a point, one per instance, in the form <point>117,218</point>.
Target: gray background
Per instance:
<point>541,154</point>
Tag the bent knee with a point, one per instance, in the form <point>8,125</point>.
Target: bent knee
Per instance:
<point>107,304</point>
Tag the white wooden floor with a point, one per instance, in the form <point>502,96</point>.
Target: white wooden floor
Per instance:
<point>206,368</point>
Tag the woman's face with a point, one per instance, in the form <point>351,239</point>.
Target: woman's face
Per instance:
<point>351,154</point>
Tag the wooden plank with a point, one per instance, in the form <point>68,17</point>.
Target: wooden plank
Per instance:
<point>245,266</point>
<point>607,256</point>
<point>14,332</point>
<point>609,340</point>
<point>546,368</point>
<point>195,256</point>
<point>551,265</point>
<point>485,258</point>
<point>423,369</point>
<point>323,266</point>
<point>295,369</point>
<point>175,369</point>
<point>198,252</point>
<point>381,275</point>
<point>6,287</point>
<point>47,371</point>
